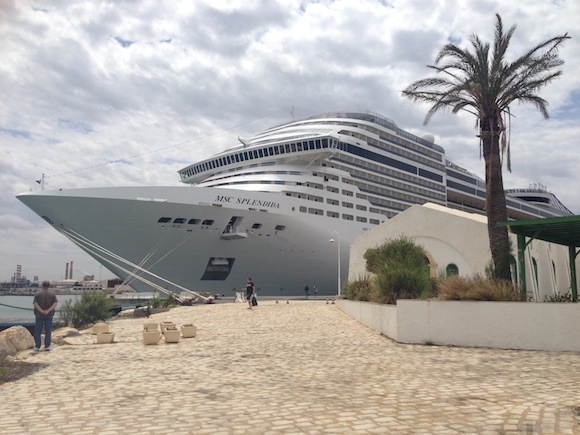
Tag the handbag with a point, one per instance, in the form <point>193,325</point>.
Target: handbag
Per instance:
<point>254,301</point>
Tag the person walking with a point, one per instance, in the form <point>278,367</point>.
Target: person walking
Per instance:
<point>250,292</point>
<point>306,291</point>
<point>44,303</point>
<point>315,290</point>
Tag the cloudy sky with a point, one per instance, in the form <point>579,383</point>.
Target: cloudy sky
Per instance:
<point>115,93</point>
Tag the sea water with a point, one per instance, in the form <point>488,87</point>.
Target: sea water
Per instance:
<point>18,308</point>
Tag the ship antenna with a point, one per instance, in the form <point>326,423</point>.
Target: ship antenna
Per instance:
<point>41,182</point>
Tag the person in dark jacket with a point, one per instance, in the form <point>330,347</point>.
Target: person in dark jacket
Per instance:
<point>45,302</point>
<point>250,292</point>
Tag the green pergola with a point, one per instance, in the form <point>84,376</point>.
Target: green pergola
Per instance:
<point>561,230</point>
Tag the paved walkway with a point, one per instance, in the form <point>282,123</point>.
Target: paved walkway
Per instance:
<point>298,368</point>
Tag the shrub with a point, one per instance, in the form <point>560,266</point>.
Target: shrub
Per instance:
<point>402,250</point>
<point>559,297</point>
<point>477,288</point>
<point>402,271</point>
<point>155,302</point>
<point>359,290</point>
<point>92,306</point>
<point>403,281</point>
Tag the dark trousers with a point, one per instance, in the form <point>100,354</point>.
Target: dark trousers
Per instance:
<point>41,322</point>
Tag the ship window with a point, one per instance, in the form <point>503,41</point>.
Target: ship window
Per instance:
<point>261,152</point>
<point>164,220</point>
<point>179,221</point>
<point>318,146</point>
<point>207,222</point>
<point>332,189</point>
<point>348,217</point>
<point>256,226</point>
<point>347,204</point>
<point>361,207</point>
<point>315,211</point>
<point>346,192</point>
<point>332,214</point>
<point>299,146</point>
<point>193,222</point>
<point>361,219</point>
<point>287,146</point>
<point>374,221</point>
<point>332,201</point>
<point>280,227</point>
<point>303,209</point>
<point>293,147</point>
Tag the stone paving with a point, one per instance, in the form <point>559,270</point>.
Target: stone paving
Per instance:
<point>298,368</point>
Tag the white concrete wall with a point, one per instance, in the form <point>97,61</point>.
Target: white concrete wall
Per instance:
<point>503,325</point>
<point>380,317</point>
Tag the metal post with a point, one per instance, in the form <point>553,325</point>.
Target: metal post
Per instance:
<point>573,284</point>
<point>521,260</point>
<point>338,255</point>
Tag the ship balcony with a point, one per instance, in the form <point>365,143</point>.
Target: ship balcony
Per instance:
<point>233,233</point>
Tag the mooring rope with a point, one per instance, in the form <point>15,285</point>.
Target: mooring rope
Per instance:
<point>19,308</point>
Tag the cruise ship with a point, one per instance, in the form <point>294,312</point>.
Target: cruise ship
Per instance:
<point>281,207</point>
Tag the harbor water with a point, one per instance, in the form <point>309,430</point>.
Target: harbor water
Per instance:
<point>18,308</point>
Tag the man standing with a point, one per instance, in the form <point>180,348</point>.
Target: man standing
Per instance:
<point>44,307</point>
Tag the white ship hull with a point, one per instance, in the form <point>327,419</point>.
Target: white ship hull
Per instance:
<point>124,221</point>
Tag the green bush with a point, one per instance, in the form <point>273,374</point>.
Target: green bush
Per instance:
<point>402,250</point>
<point>401,269</point>
<point>359,290</point>
<point>156,302</point>
<point>404,281</point>
<point>559,297</point>
<point>91,307</point>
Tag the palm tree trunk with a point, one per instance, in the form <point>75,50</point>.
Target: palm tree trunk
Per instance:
<point>495,203</point>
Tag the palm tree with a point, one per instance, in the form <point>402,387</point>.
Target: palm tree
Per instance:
<point>484,83</point>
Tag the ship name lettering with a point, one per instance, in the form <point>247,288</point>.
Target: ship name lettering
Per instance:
<point>258,202</point>
<point>222,198</point>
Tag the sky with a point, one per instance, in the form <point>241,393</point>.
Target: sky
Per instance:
<point>126,93</point>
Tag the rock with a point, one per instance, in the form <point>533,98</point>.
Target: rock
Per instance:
<point>59,335</point>
<point>79,340</point>
<point>14,340</point>
<point>20,337</point>
<point>127,313</point>
<point>6,347</point>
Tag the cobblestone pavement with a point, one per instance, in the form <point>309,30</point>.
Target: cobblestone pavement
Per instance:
<point>298,368</point>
